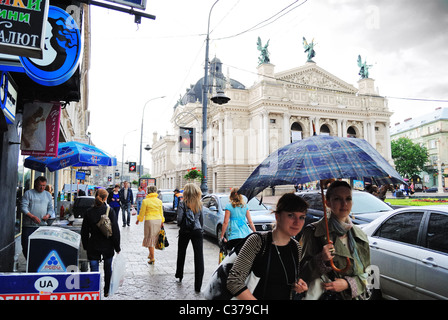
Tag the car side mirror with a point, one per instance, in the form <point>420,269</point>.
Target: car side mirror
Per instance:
<point>213,208</point>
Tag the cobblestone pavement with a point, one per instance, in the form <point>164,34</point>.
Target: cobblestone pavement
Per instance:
<point>157,282</point>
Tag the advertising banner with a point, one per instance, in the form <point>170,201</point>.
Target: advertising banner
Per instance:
<point>22,27</point>
<point>146,182</point>
<point>8,97</point>
<point>141,4</point>
<point>50,286</point>
<point>40,129</point>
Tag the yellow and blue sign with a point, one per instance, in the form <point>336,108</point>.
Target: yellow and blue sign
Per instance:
<point>62,50</point>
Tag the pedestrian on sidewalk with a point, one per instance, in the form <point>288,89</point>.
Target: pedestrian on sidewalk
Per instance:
<point>190,209</point>
<point>274,257</point>
<point>236,218</point>
<point>347,241</point>
<point>141,195</point>
<point>152,213</point>
<point>97,245</point>
<point>126,201</point>
<point>114,200</point>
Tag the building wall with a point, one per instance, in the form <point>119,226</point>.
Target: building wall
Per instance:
<point>9,153</point>
<point>431,131</point>
<point>259,120</point>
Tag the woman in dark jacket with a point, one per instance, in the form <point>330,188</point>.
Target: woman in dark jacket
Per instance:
<point>95,243</point>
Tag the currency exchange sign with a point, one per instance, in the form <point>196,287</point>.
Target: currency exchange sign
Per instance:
<point>22,27</point>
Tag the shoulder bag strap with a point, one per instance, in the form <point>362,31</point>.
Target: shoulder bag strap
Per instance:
<point>267,245</point>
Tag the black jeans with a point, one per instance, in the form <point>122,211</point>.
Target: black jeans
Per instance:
<point>197,240</point>
<point>26,232</point>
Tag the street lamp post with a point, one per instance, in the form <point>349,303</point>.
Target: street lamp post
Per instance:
<point>141,135</point>
<point>204,186</point>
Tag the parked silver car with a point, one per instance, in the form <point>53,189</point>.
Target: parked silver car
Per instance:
<point>410,247</point>
<point>167,198</point>
<point>213,210</point>
<point>366,207</point>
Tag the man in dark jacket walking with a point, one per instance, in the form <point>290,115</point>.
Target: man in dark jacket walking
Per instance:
<point>126,200</point>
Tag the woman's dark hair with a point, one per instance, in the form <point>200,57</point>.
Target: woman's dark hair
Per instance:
<point>334,185</point>
<point>291,202</point>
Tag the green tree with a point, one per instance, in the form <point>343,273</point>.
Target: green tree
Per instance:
<point>409,157</point>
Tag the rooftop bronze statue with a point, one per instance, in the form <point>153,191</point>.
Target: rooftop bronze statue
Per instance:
<point>309,47</point>
<point>364,68</point>
<point>264,53</point>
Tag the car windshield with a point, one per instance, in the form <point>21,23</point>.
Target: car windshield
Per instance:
<point>167,197</point>
<point>253,204</point>
<point>365,203</point>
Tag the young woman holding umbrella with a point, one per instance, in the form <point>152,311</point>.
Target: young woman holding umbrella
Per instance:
<point>347,249</point>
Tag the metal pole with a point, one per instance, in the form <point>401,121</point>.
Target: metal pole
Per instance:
<point>116,8</point>
<point>141,136</point>
<point>204,186</point>
<point>122,155</point>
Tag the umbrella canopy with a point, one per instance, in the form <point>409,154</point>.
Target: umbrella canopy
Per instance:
<point>71,154</point>
<point>318,158</point>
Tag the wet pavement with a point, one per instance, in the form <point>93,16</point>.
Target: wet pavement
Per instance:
<point>157,282</point>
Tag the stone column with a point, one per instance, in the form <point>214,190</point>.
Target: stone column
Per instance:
<point>286,129</point>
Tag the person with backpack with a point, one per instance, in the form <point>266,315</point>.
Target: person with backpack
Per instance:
<point>98,246</point>
<point>272,259</point>
<point>190,222</point>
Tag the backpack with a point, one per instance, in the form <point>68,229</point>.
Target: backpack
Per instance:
<point>216,289</point>
<point>105,225</point>
<point>188,218</point>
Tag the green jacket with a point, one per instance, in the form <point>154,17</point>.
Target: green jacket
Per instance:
<point>314,238</point>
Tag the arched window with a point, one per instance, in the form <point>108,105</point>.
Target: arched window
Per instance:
<point>296,132</point>
<point>351,132</point>
<point>324,130</point>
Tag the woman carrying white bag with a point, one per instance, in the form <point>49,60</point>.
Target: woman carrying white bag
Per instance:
<point>98,246</point>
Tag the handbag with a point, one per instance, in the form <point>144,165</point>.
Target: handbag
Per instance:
<point>162,241</point>
<point>105,225</point>
<point>316,291</point>
<point>216,288</point>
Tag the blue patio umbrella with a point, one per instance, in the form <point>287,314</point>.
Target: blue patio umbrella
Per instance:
<point>320,158</point>
<point>74,154</point>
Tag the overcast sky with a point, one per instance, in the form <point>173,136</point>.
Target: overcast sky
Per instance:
<point>406,41</point>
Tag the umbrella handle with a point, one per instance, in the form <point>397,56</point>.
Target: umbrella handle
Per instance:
<point>328,233</point>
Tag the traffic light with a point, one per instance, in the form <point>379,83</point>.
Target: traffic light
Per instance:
<point>132,166</point>
<point>186,139</point>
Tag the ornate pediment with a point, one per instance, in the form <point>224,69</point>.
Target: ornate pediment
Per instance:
<point>312,76</point>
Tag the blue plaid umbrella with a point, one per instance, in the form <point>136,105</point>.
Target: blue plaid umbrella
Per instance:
<point>74,154</point>
<point>318,158</point>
